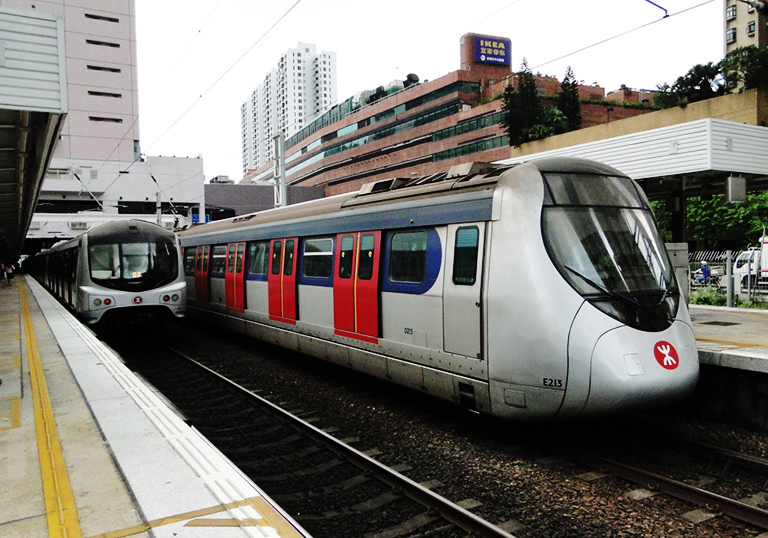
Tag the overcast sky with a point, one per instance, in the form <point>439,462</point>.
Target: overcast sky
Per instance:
<point>199,61</point>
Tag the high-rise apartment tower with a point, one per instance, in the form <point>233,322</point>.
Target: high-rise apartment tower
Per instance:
<point>302,87</point>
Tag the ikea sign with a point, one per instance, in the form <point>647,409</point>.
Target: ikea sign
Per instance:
<point>493,51</point>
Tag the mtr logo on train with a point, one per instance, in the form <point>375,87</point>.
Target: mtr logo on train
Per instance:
<point>666,355</point>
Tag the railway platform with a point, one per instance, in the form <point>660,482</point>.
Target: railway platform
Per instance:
<point>88,450</point>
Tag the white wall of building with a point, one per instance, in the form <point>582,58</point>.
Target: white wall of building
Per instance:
<point>99,142</point>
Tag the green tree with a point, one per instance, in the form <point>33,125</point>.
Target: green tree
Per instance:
<point>522,106</point>
<point>703,81</point>
<point>716,224</point>
<point>745,68</point>
<point>568,101</point>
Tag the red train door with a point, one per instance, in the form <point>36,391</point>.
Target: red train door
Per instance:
<point>356,286</point>
<point>202,282</point>
<point>234,282</point>
<point>282,280</point>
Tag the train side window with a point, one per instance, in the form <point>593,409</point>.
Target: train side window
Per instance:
<point>189,260</point>
<point>288,258</point>
<point>318,258</point>
<point>277,249</point>
<point>345,264</point>
<point>408,257</point>
<point>259,258</point>
<point>218,259</point>
<point>465,256</point>
<point>365,260</point>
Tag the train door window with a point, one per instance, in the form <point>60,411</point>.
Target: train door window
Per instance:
<point>277,249</point>
<point>288,257</point>
<point>318,258</point>
<point>206,258</point>
<point>231,258</point>
<point>239,258</point>
<point>465,256</point>
<point>218,259</point>
<point>408,256</point>
<point>346,261</point>
<point>365,261</point>
<point>258,254</point>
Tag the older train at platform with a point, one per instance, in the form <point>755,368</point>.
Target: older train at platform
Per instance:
<point>534,292</point>
<point>126,271</point>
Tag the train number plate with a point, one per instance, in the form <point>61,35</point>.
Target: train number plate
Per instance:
<point>553,383</point>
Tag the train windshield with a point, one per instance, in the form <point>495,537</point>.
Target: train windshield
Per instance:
<point>135,266</point>
<point>603,239</point>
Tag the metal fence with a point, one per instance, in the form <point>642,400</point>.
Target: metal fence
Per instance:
<point>746,284</point>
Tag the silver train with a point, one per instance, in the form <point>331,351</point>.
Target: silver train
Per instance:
<point>122,271</point>
<point>531,292</point>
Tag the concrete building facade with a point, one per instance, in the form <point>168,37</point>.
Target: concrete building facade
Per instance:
<point>746,24</point>
<point>97,172</point>
<point>302,87</point>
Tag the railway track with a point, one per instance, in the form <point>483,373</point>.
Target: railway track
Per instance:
<point>703,479</point>
<point>521,486</point>
<point>328,486</point>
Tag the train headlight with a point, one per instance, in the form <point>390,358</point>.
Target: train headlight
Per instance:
<point>107,302</point>
<point>97,302</point>
<point>175,296</point>
<point>166,298</point>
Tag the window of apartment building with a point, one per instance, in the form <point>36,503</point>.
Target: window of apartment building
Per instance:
<point>105,119</point>
<point>730,13</point>
<point>105,94</point>
<point>102,43</point>
<point>751,28</point>
<point>103,68</point>
<point>730,36</point>
<point>101,17</point>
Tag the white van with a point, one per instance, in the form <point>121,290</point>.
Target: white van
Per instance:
<point>751,262</point>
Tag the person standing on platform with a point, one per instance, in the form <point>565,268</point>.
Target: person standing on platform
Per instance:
<point>9,273</point>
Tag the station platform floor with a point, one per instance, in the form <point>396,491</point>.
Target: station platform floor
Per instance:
<point>88,450</point>
<point>731,337</point>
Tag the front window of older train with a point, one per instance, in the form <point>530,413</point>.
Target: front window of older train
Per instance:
<point>136,266</point>
<point>601,235</point>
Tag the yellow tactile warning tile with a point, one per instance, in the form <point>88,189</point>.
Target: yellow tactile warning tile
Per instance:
<point>269,518</point>
<point>60,506</point>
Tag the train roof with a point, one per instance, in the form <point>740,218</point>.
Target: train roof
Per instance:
<point>388,203</point>
<point>467,179</point>
<point>127,228</point>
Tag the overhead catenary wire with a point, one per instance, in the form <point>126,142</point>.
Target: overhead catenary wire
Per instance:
<point>202,95</point>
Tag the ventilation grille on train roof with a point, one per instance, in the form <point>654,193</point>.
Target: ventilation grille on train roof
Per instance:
<point>461,172</point>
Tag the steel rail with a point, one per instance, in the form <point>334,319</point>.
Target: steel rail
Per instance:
<point>717,503</point>
<point>437,504</point>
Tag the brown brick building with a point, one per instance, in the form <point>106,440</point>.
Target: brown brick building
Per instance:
<point>419,129</point>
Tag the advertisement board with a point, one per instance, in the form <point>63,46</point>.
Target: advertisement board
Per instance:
<point>493,51</point>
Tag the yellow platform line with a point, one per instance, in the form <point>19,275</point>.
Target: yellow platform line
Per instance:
<point>60,506</point>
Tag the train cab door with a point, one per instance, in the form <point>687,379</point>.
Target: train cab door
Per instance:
<point>356,285</point>
<point>462,312</point>
<point>234,277</point>
<point>281,280</point>
<point>202,281</point>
